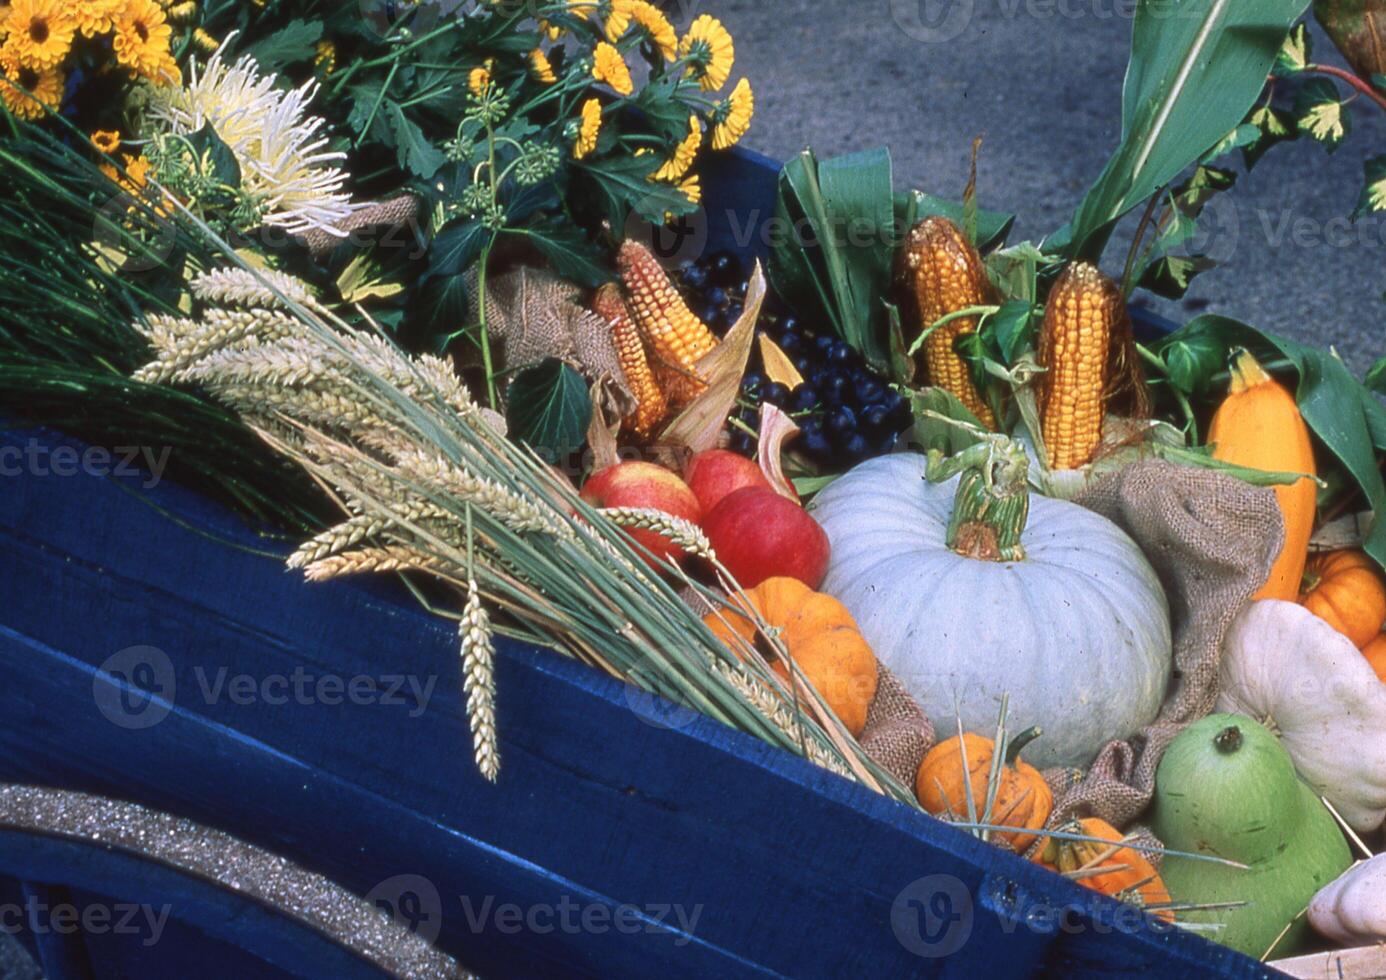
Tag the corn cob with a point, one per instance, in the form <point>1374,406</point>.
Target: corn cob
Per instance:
<point>1080,320</point>
<point>675,339</point>
<point>650,403</point>
<point>947,275</point>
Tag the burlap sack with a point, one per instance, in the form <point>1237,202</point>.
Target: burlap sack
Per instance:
<point>397,217</point>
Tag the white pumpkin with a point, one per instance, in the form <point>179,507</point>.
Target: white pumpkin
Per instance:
<point>1077,632</point>
<point>1352,910</point>
<point>1286,667</point>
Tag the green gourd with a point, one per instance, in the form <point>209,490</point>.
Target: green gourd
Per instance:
<point>1227,787</point>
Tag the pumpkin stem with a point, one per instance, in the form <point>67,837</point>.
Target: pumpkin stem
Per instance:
<point>992,503</point>
<point>1228,740</point>
<point>1015,745</point>
<point>1246,371</point>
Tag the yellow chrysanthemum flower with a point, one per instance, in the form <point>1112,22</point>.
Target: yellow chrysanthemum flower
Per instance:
<point>677,165</point>
<point>480,79</point>
<point>540,67</point>
<point>40,33</point>
<point>608,66</point>
<point>692,189</point>
<point>657,27</point>
<point>141,39</point>
<point>27,91</point>
<point>93,17</point>
<point>325,56</point>
<point>590,130</point>
<point>709,51</point>
<point>582,8</point>
<point>106,140</point>
<point>732,116</point>
<point>618,15</point>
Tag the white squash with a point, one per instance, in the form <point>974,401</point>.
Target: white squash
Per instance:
<point>1306,681</point>
<point>1352,910</point>
<point>1076,631</point>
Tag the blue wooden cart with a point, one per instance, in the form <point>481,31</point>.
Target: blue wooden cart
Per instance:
<point>154,649</point>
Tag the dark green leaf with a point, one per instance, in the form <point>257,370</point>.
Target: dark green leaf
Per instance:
<point>624,186</point>
<point>1373,197</point>
<point>569,251</point>
<point>549,408</point>
<point>1191,79</point>
<point>456,247</point>
<point>209,146</point>
<point>992,226</point>
<point>1274,126</point>
<point>416,153</point>
<point>1320,113</point>
<point>285,45</point>
<point>1295,53</point>
<point>1191,359</point>
<point>1376,377</point>
<point>1011,328</point>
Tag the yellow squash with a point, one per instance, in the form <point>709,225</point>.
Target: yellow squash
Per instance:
<point>1259,426</point>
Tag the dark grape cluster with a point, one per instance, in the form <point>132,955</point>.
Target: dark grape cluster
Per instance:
<point>847,412</point>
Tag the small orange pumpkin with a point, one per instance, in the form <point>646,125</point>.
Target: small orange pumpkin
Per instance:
<point>1132,878</point>
<point>1023,798</point>
<point>1345,590</point>
<point>1375,652</point>
<point>819,634</point>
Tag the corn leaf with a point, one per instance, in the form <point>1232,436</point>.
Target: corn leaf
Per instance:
<point>1196,69</point>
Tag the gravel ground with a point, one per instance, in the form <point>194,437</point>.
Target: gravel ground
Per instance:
<point>1041,80</point>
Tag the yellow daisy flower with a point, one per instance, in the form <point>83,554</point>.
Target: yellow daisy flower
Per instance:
<point>93,17</point>
<point>608,66</point>
<point>677,165</point>
<point>27,91</point>
<point>708,49</point>
<point>582,8</point>
<point>141,38</point>
<point>480,79</point>
<point>541,69</point>
<point>325,56</point>
<point>653,22</point>
<point>591,128</point>
<point>732,117</point>
<point>40,33</point>
<point>692,189</point>
<point>106,140</point>
<point>618,15</point>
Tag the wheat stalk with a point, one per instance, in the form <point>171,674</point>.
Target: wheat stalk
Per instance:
<point>478,681</point>
<point>684,534</point>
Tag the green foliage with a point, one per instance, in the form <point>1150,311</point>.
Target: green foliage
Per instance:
<point>549,408</point>
<point>1191,80</point>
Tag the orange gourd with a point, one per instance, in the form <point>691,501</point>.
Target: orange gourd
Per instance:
<point>1375,652</point>
<point>1132,877</point>
<point>818,633</point>
<point>1023,798</point>
<point>1346,591</point>
<point>1259,426</point>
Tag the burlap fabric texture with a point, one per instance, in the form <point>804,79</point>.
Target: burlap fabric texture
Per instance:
<point>1211,540</point>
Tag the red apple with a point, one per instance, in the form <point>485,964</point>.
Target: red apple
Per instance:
<point>759,534</point>
<point>645,485</point>
<point>714,473</point>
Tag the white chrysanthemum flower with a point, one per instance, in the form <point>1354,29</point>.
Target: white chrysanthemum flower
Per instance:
<point>280,148</point>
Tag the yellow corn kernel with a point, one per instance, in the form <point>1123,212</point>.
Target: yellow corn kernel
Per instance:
<point>947,275</point>
<point>650,403</point>
<point>675,339</point>
<point>1075,345</point>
